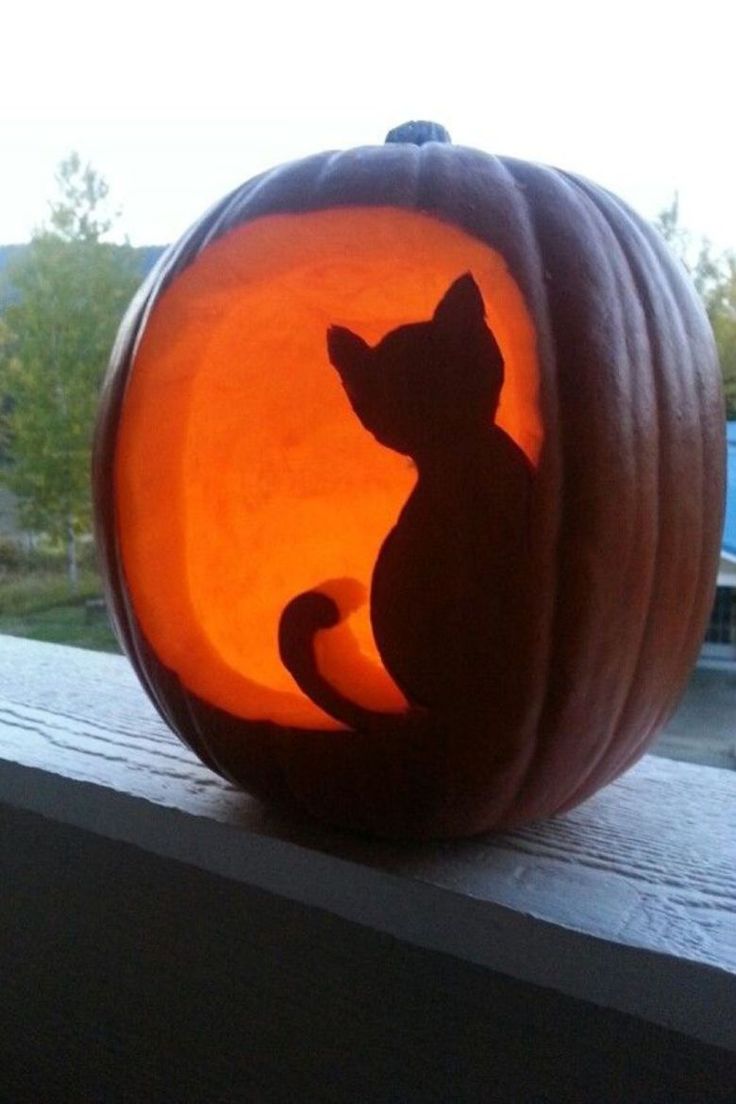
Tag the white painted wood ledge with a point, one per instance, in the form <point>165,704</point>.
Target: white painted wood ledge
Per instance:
<point>628,902</point>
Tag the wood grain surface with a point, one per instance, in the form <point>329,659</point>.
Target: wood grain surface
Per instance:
<point>629,901</point>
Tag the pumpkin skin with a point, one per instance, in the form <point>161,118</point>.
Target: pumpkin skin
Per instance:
<point>626,435</point>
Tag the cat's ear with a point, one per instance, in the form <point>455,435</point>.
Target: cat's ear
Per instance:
<point>346,349</point>
<point>461,309</point>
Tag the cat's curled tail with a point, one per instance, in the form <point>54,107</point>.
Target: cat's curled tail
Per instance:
<point>303,617</point>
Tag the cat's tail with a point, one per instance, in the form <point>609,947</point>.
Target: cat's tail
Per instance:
<point>300,621</point>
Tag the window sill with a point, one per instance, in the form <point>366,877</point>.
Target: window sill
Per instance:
<point>628,902</point>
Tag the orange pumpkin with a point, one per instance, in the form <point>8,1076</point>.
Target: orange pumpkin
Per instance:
<point>408,482</point>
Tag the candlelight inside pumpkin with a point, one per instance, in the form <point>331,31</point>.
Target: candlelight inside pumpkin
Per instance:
<point>242,475</point>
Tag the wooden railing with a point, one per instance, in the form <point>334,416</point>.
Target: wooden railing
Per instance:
<point>617,919</point>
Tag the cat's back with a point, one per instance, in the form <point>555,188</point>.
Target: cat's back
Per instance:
<point>502,453</point>
<point>488,468</point>
<point>452,571</point>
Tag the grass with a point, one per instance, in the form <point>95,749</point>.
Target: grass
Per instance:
<point>37,603</point>
<point>40,605</point>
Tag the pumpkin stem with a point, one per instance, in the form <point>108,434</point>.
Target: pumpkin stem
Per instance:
<point>417,132</point>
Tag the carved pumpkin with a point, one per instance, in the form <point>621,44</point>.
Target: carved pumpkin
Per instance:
<point>408,481</point>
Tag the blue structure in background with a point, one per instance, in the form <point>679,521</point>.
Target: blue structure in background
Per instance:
<point>729,529</point>
<point>720,638</point>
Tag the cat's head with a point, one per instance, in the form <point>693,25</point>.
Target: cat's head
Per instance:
<point>427,384</point>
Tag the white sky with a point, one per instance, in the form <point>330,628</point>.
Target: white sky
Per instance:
<point>175,105</point>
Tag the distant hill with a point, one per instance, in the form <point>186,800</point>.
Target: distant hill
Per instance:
<point>7,253</point>
<point>147,255</point>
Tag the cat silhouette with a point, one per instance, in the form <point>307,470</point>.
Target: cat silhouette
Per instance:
<point>449,575</point>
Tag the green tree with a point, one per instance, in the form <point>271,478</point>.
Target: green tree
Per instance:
<point>722,313</point>
<point>714,276</point>
<point>668,224</point>
<point>68,292</point>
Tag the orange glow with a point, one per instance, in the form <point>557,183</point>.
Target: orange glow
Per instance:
<point>243,477</point>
